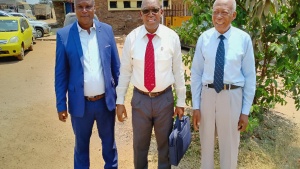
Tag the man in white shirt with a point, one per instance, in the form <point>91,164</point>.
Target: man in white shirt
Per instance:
<point>152,75</point>
<point>86,70</point>
<point>223,82</point>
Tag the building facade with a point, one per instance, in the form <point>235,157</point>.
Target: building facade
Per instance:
<point>122,15</point>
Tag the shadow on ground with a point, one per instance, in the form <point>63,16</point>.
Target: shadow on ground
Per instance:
<point>275,144</point>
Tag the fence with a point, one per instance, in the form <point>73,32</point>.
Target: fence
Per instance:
<point>175,14</point>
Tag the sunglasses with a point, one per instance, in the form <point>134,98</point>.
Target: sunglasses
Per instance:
<point>153,11</point>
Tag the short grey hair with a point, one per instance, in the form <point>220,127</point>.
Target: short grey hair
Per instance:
<point>233,5</point>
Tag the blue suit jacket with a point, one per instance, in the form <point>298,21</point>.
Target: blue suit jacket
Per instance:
<point>69,67</point>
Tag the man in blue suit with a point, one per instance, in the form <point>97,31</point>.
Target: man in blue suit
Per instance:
<point>87,70</point>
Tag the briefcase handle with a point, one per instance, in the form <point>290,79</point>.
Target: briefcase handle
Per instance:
<point>178,123</point>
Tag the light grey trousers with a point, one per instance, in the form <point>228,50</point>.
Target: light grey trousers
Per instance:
<point>147,113</point>
<point>220,114</point>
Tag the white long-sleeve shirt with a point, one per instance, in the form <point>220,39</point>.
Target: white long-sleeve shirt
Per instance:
<point>168,63</point>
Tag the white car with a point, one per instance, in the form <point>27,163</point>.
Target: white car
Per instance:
<point>34,34</point>
<point>41,27</point>
<point>3,13</point>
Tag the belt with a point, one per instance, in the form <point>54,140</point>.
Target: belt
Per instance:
<point>95,98</point>
<point>226,86</point>
<point>153,94</point>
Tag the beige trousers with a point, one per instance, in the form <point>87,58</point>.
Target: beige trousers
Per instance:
<point>220,114</point>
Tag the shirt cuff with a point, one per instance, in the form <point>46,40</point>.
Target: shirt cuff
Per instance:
<point>181,94</point>
<point>121,92</point>
<point>120,100</point>
<point>246,110</point>
<point>196,107</point>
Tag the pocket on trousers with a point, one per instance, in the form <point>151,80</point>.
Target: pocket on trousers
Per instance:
<point>135,101</point>
<point>170,98</point>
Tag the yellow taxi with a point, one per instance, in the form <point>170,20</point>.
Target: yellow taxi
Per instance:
<point>15,37</point>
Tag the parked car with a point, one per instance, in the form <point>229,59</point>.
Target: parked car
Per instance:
<point>71,18</point>
<point>41,27</point>
<point>29,17</point>
<point>15,37</point>
<point>34,34</point>
<point>3,13</point>
<point>25,16</point>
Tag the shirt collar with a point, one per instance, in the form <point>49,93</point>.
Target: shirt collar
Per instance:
<point>226,34</point>
<point>144,31</point>
<point>80,29</point>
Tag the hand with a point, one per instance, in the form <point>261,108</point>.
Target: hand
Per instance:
<point>179,111</point>
<point>63,115</point>
<point>243,122</point>
<point>120,110</point>
<point>196,119</point>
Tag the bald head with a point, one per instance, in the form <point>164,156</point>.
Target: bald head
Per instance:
<point>230,3</point>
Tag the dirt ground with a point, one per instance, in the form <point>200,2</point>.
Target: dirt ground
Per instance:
<point>32,137</point>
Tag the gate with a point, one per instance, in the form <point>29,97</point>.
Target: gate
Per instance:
<point>175,14</point>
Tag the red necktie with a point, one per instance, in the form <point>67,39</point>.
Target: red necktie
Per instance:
<point>149,73</point>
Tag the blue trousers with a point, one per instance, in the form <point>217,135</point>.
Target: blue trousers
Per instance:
<point>82,127</point>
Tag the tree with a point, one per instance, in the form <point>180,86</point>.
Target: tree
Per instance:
<point>274,28</point>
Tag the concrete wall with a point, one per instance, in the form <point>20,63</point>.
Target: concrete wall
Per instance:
<point>121,21</point>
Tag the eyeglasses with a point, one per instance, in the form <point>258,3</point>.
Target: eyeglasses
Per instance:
<point>222,13</point>
<point>86,8</point>
<point>153,11</point>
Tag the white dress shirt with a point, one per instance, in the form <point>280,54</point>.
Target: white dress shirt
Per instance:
<point>93,73</point>
<point>239,68</point>
<point>168,63</point>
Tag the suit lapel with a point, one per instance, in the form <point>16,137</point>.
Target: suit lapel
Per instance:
<point>99,33</point>
<point>76,38</point>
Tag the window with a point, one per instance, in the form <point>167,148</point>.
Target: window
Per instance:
<point>126,4</point>
<point>24,24</point>
<point>166,3</point>
<point>113,4</point>
<point>21,6</point>
<point>138,4</point>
